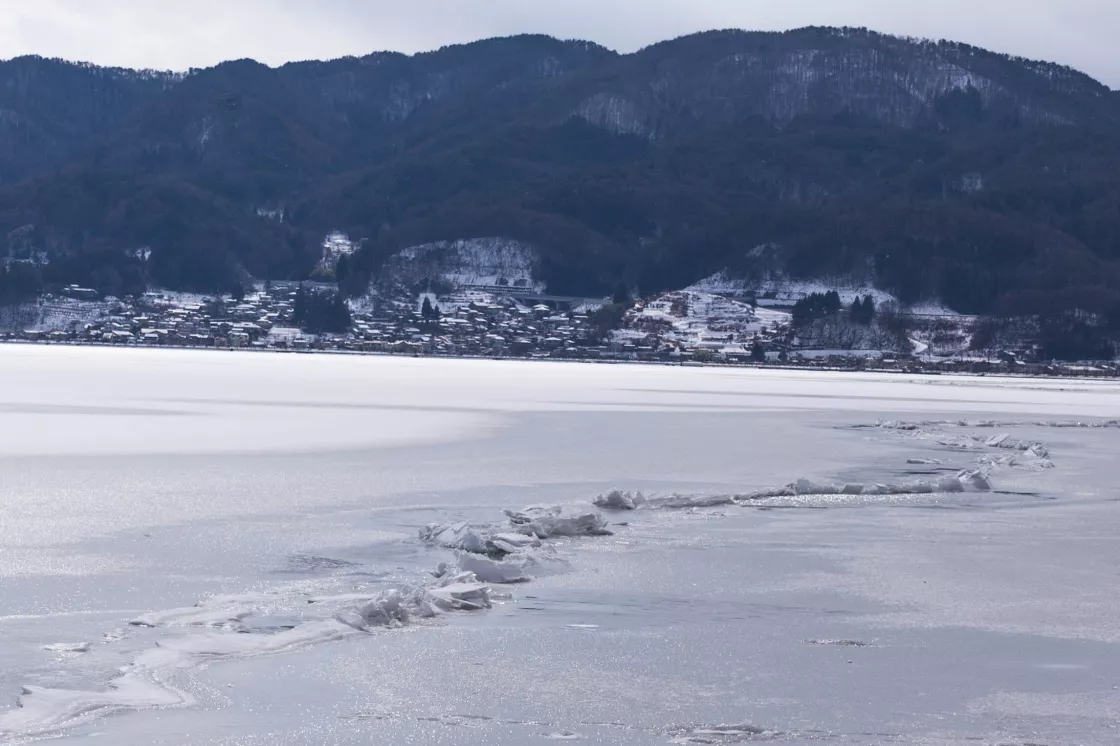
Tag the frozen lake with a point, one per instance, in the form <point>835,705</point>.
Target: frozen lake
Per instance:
<point>224,548</point>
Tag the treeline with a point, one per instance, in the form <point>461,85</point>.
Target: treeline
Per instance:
<point>823,305</point>
<point>1070,337</point>
<point>320,312</point>
<point>816,306</point>
<point>18,283</point>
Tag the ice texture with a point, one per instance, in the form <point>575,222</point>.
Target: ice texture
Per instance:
<point>1002,582</point>
<point>485,555</point>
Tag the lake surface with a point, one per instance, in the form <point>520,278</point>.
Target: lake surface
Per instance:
<point>181,533</point>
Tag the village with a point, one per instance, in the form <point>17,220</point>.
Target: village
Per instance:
<point>484,325</point>
<point>686,328</point>
<point>479,324</point>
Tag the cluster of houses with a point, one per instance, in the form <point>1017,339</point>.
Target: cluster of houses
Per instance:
<point>265,320</point>
<point>481,324</point>
<point>499,326</point>
<point>701,330</point>
<point>155,319</point>
<point>489,326</point>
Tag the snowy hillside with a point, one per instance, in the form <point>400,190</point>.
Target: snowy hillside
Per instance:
<point>777,290</point>
<point>52,315</point>
<point>483,262</point>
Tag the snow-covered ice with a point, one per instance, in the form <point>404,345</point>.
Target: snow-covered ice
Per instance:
<point>287,493</point>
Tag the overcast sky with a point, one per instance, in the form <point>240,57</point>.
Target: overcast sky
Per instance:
<point>175,34</point>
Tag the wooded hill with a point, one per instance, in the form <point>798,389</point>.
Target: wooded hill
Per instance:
<point>934,170</point>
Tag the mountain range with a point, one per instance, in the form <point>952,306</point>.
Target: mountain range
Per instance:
<point>933,170</point>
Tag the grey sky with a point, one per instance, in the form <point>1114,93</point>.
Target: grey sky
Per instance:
<point>177,34</point>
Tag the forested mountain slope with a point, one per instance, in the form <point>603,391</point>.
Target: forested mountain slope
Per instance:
<point>931,169</point>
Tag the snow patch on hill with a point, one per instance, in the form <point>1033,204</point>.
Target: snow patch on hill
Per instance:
<point>932,308</point>
<point>778,290</point>
<point>614,113</point>
<point>52,315</point>
<point>480,262</point>
<point>335,245</point>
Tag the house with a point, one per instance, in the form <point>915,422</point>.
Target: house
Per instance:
<point>80,293</point>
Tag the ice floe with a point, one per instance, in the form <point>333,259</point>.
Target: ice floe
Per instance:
<point>919,425</point>
<point>398,607</point>
<point>478,538</point>
<point>220,613</point>
<point>714,734</point>
<point>524,530</point>
<point>464,536</point>
<point>965,481</point>
<point>488,570</point>
<point>973,480</point>
<point>547,523</point>
<point>620,500</point>
<point>462,595</point>
<point>691,501</point>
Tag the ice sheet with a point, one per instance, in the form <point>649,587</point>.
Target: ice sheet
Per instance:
<point>620,628</point>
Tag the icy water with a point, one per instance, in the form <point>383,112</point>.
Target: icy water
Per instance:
<point>222,548</point>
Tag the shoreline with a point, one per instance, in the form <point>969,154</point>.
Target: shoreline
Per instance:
<point>1070,375</point>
